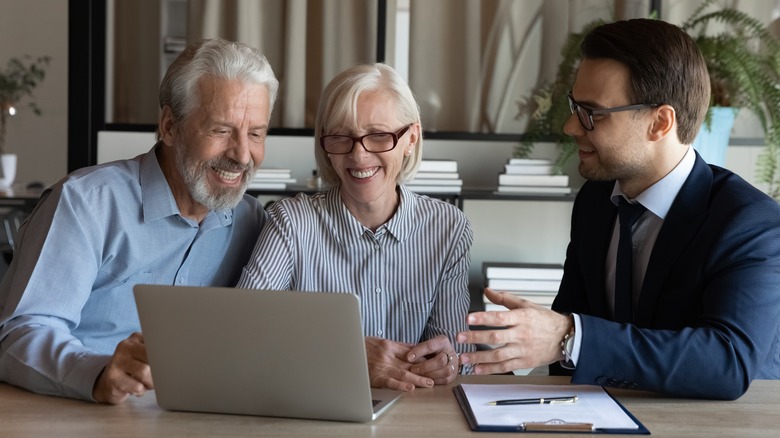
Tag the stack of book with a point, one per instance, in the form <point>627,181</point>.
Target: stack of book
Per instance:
<point>436,176</point>
<point>271,179</point>
<point>535,282</point>
<point>532,176</point>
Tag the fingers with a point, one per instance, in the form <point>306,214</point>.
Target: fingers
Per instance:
<point>436,359</point>
<point>127,373</point>
<point>526,336</point>
<point>442,368</point>
<point>404,367</point>
<point>510,301</point>
<point>434,345</point>
<point>386,347</point>
<point>498,360</point>
<point>398,379</point>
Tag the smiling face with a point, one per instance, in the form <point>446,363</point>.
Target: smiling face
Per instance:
<point>368,180</point>
<point>617,148</point>
<point>218,146</point>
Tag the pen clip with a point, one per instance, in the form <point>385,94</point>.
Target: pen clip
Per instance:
<point>557,425</point>
<point>563,402</point>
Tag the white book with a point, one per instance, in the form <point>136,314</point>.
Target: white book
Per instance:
<point>433,189</point>
<point>272,170</point>
<point>527,161</point>
<point>504,284</point>
<point>436,182</point>
<point>527,271</point>
<point>274,180</point>
<point>535,190</point>
<point>533,180</point>
<point>272,175</point>
<point>528,169</point>
<point>267,185</point>
<point>492,307</point>
<point>438,166</point>
<point>436,175</point>
<point>542,300</point>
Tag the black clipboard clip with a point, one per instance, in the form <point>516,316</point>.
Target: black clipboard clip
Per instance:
<point>556,425</point>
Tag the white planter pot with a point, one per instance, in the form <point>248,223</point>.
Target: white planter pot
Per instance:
<point>712,143</point>
<point>7,170</point>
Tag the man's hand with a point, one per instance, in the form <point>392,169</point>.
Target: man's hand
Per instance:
<point>435,358</point>
<point>127,373</point>
<point>388,366</point>
<point>530,337</point>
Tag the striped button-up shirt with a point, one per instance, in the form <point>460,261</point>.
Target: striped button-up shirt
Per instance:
<point>411,274</point>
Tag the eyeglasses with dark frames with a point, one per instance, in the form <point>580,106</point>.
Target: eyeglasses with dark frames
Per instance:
<point>375,142</point>
<point>585,114</point>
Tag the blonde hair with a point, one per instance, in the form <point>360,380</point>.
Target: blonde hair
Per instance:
<point>338,108</point>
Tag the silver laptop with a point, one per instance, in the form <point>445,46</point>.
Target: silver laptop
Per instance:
<point>253,352</point>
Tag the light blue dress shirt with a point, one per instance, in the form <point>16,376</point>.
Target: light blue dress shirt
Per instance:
<point>66,300</point>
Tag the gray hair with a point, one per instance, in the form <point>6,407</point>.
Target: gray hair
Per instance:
<point>216,58</point>
<point>338,108</point>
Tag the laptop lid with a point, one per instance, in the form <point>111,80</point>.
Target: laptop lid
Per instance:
<point>254,352</point>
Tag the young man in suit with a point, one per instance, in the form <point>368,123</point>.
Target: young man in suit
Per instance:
<point>698,313</point>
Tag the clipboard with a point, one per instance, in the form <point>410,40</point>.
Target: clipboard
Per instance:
<point>551,425</point>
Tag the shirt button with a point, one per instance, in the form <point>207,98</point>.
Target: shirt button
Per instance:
<point>378,290</point>
<point>379,332</point>
<point>181,280</point>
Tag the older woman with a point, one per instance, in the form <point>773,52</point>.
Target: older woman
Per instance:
<point>404,254</point>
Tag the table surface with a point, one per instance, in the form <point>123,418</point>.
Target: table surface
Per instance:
<point>424,412</point>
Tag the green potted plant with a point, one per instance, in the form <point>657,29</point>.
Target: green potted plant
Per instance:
<point>744,66</point>
<point>17,80</point>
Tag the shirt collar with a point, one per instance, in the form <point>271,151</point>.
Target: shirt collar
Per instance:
<point>659,197</point>
<point>157,199</point>
<point>399,225</point>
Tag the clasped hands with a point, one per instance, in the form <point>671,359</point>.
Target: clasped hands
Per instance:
<point>403,366</point>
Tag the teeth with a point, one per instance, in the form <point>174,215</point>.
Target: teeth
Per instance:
<point>364,173</point>
<point>229,176</point>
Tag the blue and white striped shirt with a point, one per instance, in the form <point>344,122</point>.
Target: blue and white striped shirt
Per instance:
<point>411,274</point>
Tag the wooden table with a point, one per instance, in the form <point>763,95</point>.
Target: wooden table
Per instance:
<point>424,412</point>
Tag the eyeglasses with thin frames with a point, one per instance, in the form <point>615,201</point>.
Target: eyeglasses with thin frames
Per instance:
<point>585,114</point>
<point>375,142</point>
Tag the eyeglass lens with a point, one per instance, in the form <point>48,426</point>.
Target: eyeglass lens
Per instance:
<point>342,144</point>
<point>582,113</point>
<point>375,142</point>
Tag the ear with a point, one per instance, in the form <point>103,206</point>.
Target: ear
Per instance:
<point>167,126</point>
<point>414,136</point>
<point>663,124</point>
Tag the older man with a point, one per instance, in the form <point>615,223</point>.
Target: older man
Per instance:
<point>175,215</point>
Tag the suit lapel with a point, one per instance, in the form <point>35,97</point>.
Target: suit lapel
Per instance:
<point>680,227</point>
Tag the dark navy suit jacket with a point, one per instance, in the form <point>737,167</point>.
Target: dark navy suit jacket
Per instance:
<point>708,318</point>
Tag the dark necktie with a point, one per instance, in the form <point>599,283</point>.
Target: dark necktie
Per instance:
<point>624,301</point>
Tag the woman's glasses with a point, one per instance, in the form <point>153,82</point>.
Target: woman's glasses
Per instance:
<point>375,142</point>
